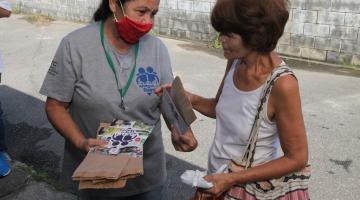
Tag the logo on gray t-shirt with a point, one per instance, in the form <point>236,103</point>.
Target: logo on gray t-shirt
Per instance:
<point>147,79</point>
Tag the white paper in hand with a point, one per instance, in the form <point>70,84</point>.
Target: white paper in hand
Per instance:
<point>195,179</point>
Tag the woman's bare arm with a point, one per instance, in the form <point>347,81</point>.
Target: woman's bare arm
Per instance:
<point>61,120</point>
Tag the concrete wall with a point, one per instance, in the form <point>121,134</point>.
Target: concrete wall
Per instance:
<point>324,30</point>
<point>75,10</point>
<point>188,19</point>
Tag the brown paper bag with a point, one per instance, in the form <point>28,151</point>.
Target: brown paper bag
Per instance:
<point>133,168</point>
<point>102,185</point>
<point>182,102</point>
<point>97,166</point>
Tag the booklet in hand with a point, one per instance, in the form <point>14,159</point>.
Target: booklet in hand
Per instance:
<point>176,108</point>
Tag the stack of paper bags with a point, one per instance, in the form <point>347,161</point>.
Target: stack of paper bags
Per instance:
<point>121,159</point>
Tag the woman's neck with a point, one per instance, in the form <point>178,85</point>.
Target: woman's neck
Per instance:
<point>253,70</point>
<point>112,36</point>
<point>260,63</point>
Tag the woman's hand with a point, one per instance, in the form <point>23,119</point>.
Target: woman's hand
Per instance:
<point>159,90</point>
<point>183,142</point>
<point>222,183</point>
<point>87,143</point>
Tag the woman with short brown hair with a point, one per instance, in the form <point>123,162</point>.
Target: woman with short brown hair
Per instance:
<point>249,31</point>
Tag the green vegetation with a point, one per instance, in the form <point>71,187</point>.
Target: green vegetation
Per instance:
<point>37,176</point>
<point>16,9</point>
<point>32,18</point>
<point>215,42</point>
<point>346,61</point>
<point>40,176</point>
<point>154,33</point>
<point>39,19</point>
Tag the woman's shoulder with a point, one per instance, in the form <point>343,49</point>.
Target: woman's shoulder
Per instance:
<point>153,41</point>
<point>286,82</point>
<point>87,33</point>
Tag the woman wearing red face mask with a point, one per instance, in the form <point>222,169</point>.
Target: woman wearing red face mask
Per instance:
<point>106,70</point>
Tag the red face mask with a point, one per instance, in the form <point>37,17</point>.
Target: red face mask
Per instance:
<point>129,30</point>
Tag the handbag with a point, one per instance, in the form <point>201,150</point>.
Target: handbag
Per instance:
<point>204,196</point>
<point>293,186</point>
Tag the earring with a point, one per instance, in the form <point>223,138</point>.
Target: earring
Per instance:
<point>115,19</point>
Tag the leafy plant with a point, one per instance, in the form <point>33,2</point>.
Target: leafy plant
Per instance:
<point>40,176</point>
<point>215,42</point>
<point>37,175</point>
<point>154,33</point>
<point>16,9</point>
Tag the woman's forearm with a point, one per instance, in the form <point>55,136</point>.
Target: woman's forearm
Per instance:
<point>61,120</point>
<point>205,106</point>
<point>273,169</point>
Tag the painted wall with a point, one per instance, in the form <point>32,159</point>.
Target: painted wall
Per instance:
<point>324,30</point>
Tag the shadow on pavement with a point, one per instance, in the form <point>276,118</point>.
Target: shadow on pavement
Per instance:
<point>176,189</point>
<point>26,135</point>
<point>31,140</point>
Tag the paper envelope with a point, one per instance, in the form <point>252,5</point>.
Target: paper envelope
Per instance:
<point>176,108</point>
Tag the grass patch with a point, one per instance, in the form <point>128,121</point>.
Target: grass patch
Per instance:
<point>37,176</point>
<point>39,19</point>
<point>16,9</point>
<point>40,176</point>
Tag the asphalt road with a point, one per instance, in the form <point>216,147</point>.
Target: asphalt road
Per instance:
<point>330,100</point>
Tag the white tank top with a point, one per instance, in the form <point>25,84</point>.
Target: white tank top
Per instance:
<point>235,114</point>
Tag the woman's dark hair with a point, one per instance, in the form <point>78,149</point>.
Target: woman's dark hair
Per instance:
<point>103,12</point>
<point>260,23</point>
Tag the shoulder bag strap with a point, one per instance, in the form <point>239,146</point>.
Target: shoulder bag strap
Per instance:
<point>248,157</point>
<point>228,67</point>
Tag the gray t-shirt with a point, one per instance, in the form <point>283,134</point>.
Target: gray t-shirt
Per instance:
<point>81,75</point>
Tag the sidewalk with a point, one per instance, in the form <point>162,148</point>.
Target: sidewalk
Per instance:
<point>330,101</point>
<point>19,185</point>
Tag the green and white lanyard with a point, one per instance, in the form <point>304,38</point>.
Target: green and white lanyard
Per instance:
<point>122,91</point>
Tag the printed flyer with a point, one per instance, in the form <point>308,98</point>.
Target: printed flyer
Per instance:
<point>124,137</point>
